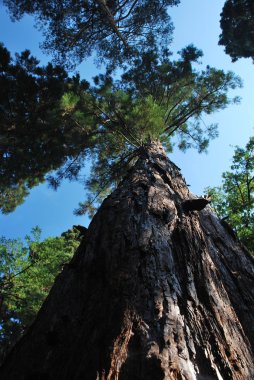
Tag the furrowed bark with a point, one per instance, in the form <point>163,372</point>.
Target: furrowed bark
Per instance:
<point>154,292</point>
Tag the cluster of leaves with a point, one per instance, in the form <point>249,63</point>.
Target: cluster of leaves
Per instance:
<point>115,30</point>
<point>234,199</point>
<point>237,24</point>
<point>27,272</point>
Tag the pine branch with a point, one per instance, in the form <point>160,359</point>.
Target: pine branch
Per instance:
<point>110,18</point>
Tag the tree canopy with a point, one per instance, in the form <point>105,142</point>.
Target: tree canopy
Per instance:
<point>61,121</point>
<point>27,271</point>
<point>112,29</point>
<point>234,199</point>
<point>237,24</point>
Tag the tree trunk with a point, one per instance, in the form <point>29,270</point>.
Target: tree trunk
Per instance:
<point>154,292</point>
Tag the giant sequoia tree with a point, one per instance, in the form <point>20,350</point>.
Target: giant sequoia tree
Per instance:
<point>159,288</point>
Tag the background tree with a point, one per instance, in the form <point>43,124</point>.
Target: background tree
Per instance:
<point>75,29</point>
<point>27,271</point>
<point>237,24</point>
<point>234,199</point>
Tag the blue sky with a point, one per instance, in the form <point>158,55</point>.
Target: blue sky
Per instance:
<point>197,22</point>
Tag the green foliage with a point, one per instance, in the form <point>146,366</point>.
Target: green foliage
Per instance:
<point>27,271</point>
<point>74,29</point>
<point>157,98</point>
<point>182,93</point>
<point>235,198</point>
<point>51,136</point>
<point>12,197</point>
<point>237,24</point>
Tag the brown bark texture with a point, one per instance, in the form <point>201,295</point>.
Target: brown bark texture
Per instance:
<point>155,291</point>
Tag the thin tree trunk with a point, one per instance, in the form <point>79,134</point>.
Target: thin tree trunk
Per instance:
<point>154,292</point>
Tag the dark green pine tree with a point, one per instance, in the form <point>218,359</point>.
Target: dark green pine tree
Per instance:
<point>237,25</point>
<point>33,140</point>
